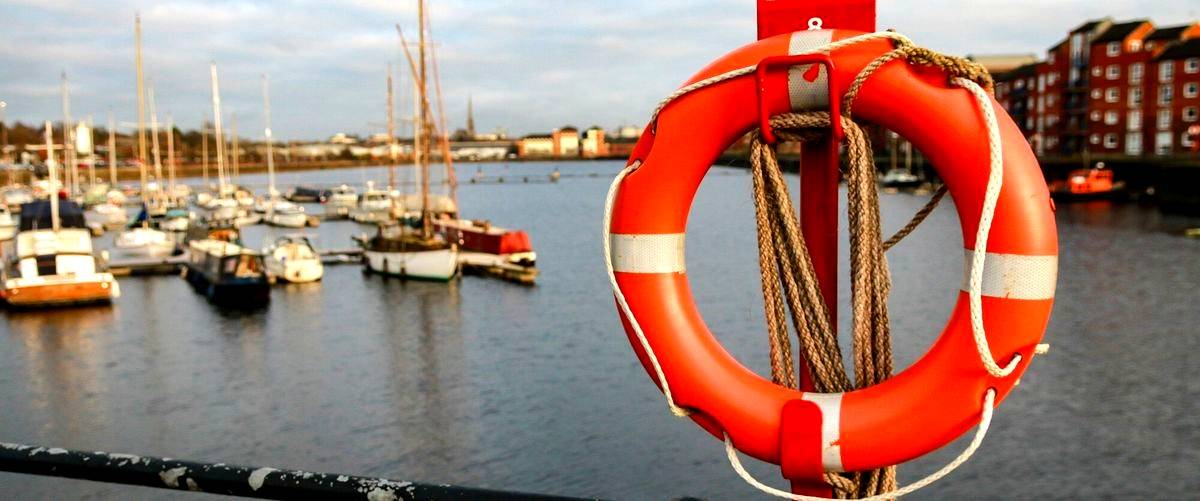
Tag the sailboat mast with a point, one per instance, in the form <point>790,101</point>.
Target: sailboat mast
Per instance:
<point>92,153</point>
<point>426,226</point>
<point>112,150</point>
<point>52,169</point>
<point>171,156</point>
<point>204,151</point>
<point>218,137</point>
<point>391,130</point>
<point>267,132</point>
<point>141,98</point>
<point>235,153</point>
<point>68,135</point>
<point>158,177</point>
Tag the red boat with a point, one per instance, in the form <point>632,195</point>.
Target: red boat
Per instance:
<point>1088,184</point>
<point>491,250</point>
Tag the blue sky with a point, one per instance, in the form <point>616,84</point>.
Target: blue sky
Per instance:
<point>529,65</point>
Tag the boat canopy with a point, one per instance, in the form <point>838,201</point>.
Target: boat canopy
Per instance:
<point>36,215</point>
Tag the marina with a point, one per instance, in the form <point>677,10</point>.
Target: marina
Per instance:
<point>857,254</point>
<point>480,383</point>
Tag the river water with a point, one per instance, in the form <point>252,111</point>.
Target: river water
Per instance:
<point>490,384</point>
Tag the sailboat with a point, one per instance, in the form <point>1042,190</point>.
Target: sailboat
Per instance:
<point>54,263</point>
<point>400,250</point>
<point>141,240</point>
<point>279,212</point>
<point>224,208</point>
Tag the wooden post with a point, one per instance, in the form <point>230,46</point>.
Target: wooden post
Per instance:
<point>818,172</point>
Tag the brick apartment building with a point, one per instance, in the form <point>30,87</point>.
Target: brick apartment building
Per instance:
<point>1110,89</point>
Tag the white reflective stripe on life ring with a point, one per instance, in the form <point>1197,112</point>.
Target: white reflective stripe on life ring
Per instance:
<point>831,427</point>
<point>647,253</point>
<point>1014,276</point>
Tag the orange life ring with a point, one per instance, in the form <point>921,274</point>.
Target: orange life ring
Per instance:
<point>923,407</point>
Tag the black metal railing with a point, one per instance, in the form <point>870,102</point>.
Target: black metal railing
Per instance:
<point>220,478</point>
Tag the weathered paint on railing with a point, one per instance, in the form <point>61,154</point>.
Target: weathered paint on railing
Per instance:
<point>220,478</point>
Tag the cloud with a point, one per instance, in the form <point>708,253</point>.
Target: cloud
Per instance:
<point>529,65</point>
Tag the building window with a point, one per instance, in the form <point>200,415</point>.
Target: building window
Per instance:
<point>1030,82</point>
<point>1095,116</point>
<point>1041,83</point>
<point>1052,78</point>
<point>1134,120</point>
<point>1164,119</point>
<point>1135,96</point>
<point>1162,143</point>
<point>1114,72</point>
<point>1096,93</point>
<point>1165,94</point>
<point>1095,138</point>
<point>1051,120</point>
<point>1186,140</point>
<point>1135,45</point>
<point>1111,118</point>
<point>1112,95</point>
<point>1114,48</point>
<point>1110,140</point>
<point>1135,72</point>
<point>1096,71</point>
<point>1191,89</point>
<point>1166,71</point>
<point>1133,143</point>
<point>1019,84</point>
<point>1190,114</point>
<point>1191,65</point>
<point>1050,57</point>
<point>1051,99</point>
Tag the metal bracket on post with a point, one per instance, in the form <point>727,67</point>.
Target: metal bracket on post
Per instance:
<point>818,214</point>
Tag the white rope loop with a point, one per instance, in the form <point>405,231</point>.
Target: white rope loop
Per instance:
<point>989,404</point>
<point>606,235</point>
<point>987,214</point>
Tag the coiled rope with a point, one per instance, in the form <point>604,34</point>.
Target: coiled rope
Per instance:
<point>783,250</point>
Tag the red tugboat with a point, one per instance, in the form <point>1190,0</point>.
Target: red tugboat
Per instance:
<point>1088,184</point>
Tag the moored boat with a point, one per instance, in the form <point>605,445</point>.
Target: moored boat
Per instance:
<point>143,242</point>
<point>491,250</point>
<point>54,263</point>
<point>227,273</point>
<point>374,207</point>
<point>1088,184</point>
<point>286,214</point>
<point>292,258</point>
<point>397,250</point>
<point>342,200</point>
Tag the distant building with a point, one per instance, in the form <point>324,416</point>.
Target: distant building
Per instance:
<point>536,146</point>
<point>592,144</point>
<point>566,142</point>
<point>1108,89</point>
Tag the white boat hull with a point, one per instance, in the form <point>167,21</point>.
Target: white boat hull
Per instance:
<point>296,271</point>
<point>299,220</point>
<point>439,265</point>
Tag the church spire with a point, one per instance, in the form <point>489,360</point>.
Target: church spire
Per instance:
<point>470,118</point>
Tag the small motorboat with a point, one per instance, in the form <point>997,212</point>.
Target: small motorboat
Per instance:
<point>286,214</point>
<point>375,207</point>
<point>143,242</point>
<point>306,195</point>
<point>176,220</point>
<point>227,273</point>
<point>341,201</point>
<point>1088,184</point>
<point>108,215</point>
<point>491,250</point>
<point>292,258</point>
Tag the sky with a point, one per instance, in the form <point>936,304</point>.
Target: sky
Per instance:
<point>529,66</point>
